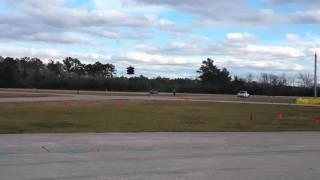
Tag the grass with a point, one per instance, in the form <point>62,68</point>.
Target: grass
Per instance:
<point>152,116</point>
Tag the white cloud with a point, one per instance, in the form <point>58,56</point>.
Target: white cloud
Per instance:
<point>50,53</point>
<point>305,17</point>
<point>38,20</point>
<point>227,48</point>
<point>130,6</point>
<point>292,37</point>
<point>64,38</point>
<point>117,34</point>
<point>222,13</point>
<point>236,12</point>
<point>158,59</point>
<point>309,3</point>
<point>273,50</point>
<point>266,65</point>
<point>240,37</point>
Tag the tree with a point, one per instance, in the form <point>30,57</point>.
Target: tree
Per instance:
<point>291,81</point>
<point>33,73</point>
<point>264,78</point>
<point>73,65</point>
<point>100,70</point>
<point>209,73</point>
<point>305,79</point>
<point>274,80</point>
<point>9,73</point>
<point>109,70</point>
<point>283,80</point>
<point>23,64</point>
<point>249,77</point>
<point>130,70</point>
<point>36,69</point>
<point>55,67</point>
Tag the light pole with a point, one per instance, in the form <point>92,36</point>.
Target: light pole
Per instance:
<point>315,77</point>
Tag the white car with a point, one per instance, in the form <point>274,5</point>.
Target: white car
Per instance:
<point>243,94</point>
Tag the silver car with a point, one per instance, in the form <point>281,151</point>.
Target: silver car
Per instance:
<point>243,94</point>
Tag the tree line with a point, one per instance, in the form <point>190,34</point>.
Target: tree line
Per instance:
<point>71,73</point>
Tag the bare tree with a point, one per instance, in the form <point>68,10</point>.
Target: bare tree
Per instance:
<point>264,78</point>
<point>283,80</point>
<point>291,80</point>
<point>274,79</point>
<point>249,77</point>
<point>305,79</point>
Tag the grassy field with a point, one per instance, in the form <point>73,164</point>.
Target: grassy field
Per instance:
<point>152,116</point>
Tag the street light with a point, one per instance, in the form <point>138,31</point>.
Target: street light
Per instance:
<point>315,77</point>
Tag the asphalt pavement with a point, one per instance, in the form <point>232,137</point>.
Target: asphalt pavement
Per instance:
<point>148,156</point>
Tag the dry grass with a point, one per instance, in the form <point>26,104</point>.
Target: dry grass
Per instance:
<point>152,116</point>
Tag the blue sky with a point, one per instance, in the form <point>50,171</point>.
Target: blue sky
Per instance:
<point>164,37</point>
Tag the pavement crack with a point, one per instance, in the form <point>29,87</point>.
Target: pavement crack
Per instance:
<point>46,149</point>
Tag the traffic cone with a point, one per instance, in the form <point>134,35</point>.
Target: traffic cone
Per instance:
<point>280,116</point>
<point>188,98</point>
<point>66,104</point>
<point>119,104</point>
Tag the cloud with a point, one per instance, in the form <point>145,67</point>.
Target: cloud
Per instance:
<point>256,51</point>
<point>129,6</point>
<point>273,50</point>
<point>237,57</point>
<point>173,49</point>
<point>61,38</point>
<point>292,37</point>
<point>240,37</point>
<point>159,59</point>
<point>50,53</point>
<point>43,53</point>
<point>117,34</point>
<point>308,3</point>
<point>229,13</point>
<point>305,17</point>
<point>213,9</point>
<point>307,42</point>
<point>50,21</point>
<point>266,65</point>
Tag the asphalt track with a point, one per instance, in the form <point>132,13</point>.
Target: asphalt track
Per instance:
<point>149,156</point>
<point>52,97</point>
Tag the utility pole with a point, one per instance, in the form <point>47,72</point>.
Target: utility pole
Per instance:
<point>315,77</point>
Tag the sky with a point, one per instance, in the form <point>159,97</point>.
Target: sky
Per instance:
<point>167,38</point>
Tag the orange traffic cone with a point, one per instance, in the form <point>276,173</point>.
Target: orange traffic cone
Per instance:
<point>280,116</point>
<point>188,98</point>
<point>119,104</point>
<point>66,104</point>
